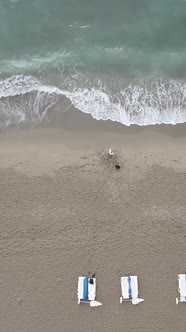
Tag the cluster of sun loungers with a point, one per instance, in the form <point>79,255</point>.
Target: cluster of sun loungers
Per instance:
<point>129,290</point>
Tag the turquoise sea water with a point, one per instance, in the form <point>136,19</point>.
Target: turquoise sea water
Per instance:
<point>123,60</point>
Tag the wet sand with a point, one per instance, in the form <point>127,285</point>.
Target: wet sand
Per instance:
<point>66,212</point>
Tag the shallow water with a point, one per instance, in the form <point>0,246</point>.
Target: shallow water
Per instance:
<point>122,60</point>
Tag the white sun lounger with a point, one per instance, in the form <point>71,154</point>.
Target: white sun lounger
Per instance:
<point>181,288</point>
<point>87,291</point>
<point>129,289</point>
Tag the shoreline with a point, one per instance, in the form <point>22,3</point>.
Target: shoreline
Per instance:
<point>74,119</point>
<point>66,212</point>
<point>76,134</point>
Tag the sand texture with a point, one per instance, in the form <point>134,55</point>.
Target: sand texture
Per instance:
<point>65,211</point>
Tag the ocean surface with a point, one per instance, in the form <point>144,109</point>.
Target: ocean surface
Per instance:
<point>123,60</point>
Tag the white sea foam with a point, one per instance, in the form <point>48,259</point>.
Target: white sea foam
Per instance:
<point>142,103</point>
<point>17,84</point>
<point>84,26</point>
<point>15,109</point>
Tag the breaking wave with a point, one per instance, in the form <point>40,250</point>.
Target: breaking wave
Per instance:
<point>27,100</point>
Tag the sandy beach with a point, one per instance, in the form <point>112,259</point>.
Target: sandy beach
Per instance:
<point>66,212</point>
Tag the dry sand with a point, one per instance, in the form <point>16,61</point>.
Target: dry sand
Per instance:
<point>66,211</point>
